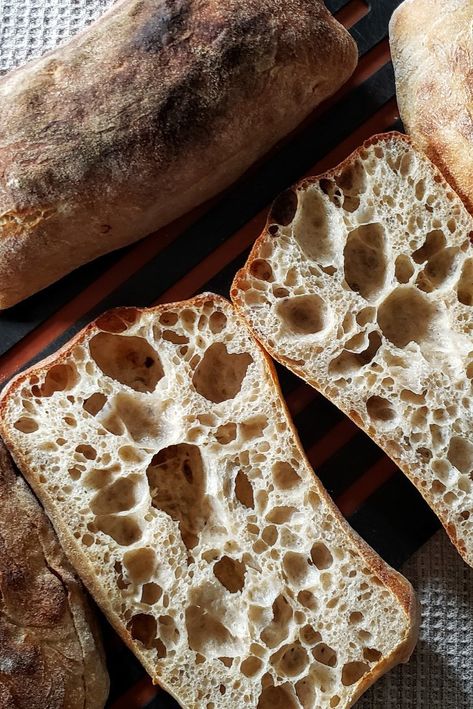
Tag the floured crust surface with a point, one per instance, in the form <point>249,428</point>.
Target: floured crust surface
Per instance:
<point>362,283</point>
<point>50,652</point>
<point>432,50</point>
<point>161,448</point>
<point>155,108</point>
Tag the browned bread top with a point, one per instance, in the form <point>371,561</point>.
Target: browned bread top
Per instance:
<point>144,83</point>
<point>157,106</point>
<point>432,51</point>
<point>50,652</point>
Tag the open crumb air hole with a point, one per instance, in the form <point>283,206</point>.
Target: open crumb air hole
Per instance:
<point>113,499</point>
<point>117,320</point>
<point>460,455</point>
<point>311,228</point>
<point>206,633</point>
<point>325,655</point>
<point>465,285</point>
<point>128,360</point>
<point>304,314</point>
<point>220,374</point>
<point>128,413</point>
<point>296,568</point>
<point>60,377</point>
<point>177,482</point>
<point>140,564</point>
<point>347,362</point>
<point>284,476</point>
<point>277,698</point>
<point>380,409</point>
<point>244,490</point>
<point>230,573</point>
<point>291,660</point>
<point>366,260</point>
<point>226,433</point>
<point>407,316</point>
<point>278,630</point>
<point>95,403</point>
<point>404,269</point>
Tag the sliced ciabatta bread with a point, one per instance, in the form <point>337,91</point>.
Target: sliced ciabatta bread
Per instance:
<point>161,448</point>
<point>362,283</point>
<point>51,656</point>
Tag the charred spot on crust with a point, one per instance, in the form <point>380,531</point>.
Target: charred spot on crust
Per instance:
<point>183,112</point>
<point>189,69</point>
<point>211,79</point>
<point>163,27</point>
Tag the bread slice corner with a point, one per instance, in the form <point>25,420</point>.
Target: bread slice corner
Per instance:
<point>161,448</point>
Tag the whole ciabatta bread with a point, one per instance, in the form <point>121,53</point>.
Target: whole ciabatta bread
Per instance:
<point>155,108</point>
<point>161,448</point>
<point>50,651</point>
<point>432,51</point>
<point>362,283</point>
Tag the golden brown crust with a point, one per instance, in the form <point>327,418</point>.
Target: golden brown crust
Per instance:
<point>433,60</point>
<point>281,204</point>
<point>156,107</point>
<point>116,321</point>
<point>50,651</point>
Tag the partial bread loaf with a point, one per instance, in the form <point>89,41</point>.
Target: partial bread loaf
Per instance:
<point>432,51</point>
<point>362,283</point>
<point>50,651</point>
<point>154,109</point>
<point>160,445</point>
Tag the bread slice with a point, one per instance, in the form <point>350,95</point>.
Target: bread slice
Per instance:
<point>431,47</point>
<point>160,446</point>
<point>362,283</point>
<point>50,651</point>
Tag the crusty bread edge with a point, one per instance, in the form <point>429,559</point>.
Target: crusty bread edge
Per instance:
<point>96,678</point>
<point>422,141</point>
<point>94,674</point>
<point>394,581</point>
<point>239,305</point>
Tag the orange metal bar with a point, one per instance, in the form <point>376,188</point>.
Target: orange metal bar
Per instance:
<point>338,436</point>
<point>357,494</point>
<point>352,13</point>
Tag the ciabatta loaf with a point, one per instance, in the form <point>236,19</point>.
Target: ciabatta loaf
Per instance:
<point>50,651</point>
<point>155,108</point>
<point>432,50</point>
<point>161,448</point>
<point>362,283</point>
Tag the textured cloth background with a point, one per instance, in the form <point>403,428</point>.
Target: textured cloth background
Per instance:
<point>440,674</point>
<point>28,28</point>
